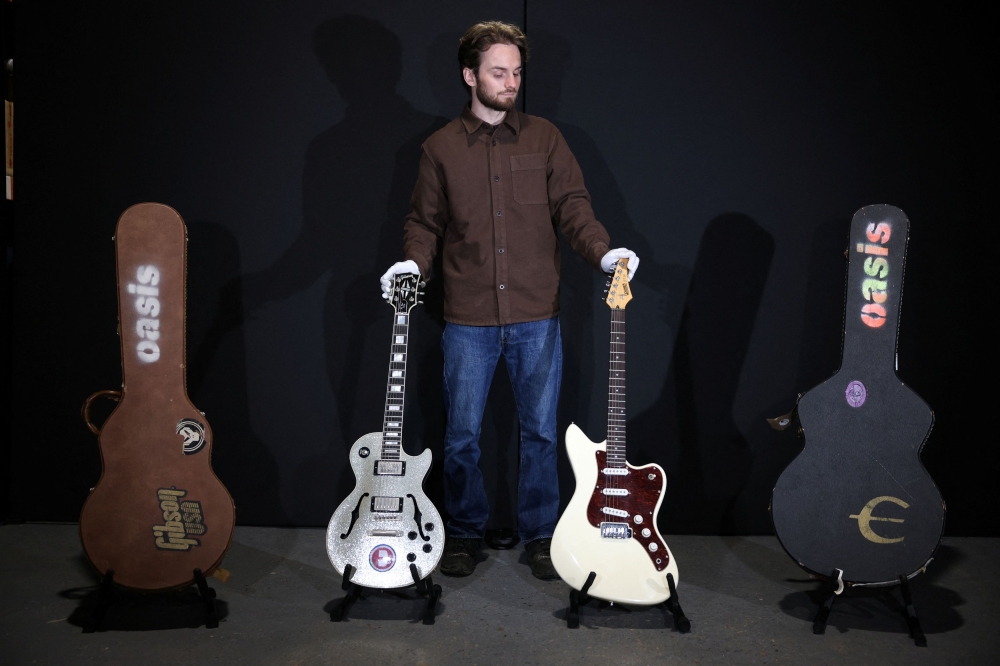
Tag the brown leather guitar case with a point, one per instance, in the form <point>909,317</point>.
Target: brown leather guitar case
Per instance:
<point>158,511</point>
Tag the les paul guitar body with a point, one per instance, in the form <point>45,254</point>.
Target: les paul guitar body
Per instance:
<point>158,511</point>
<point>609,528</point>
<point>630,557</point>
<point>387,529</point>
<point>387,522</point>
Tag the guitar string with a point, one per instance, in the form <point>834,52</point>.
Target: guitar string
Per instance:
<point>397,329</point>
<point>616,402</point>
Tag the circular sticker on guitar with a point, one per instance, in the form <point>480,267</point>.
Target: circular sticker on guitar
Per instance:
<point>193,434</point>
<point>856,394</point>
<point>382,558</point>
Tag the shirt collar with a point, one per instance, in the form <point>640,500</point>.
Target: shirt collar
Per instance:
<point>473,122</point>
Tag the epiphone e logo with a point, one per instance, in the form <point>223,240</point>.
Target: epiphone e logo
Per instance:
<point>865,518</point>
<point>877,269</point>
<point>181,520</point>
<point>148,307</point>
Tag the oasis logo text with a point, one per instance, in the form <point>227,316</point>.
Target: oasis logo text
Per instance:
<point>874,286</point>
<point>147,327</point>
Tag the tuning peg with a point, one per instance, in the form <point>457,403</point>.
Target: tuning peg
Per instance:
<point>423,284</point>
<point>420,302</point>
<point>608,283</point>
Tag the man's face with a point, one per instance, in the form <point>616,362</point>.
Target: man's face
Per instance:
<point>499,77</point>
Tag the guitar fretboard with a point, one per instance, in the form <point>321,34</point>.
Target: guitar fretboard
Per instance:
<point>392,423</point>
<point>616,391</point>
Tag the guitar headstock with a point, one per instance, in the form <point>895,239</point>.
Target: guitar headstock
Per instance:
<point>405,292</point>
<point>618,292</point>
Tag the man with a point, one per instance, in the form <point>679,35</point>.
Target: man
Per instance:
<point>492,187</point>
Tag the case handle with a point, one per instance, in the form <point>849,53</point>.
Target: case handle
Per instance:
<point>85,410</point>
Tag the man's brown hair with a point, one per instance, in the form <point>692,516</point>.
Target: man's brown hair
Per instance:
<point>480,37</point>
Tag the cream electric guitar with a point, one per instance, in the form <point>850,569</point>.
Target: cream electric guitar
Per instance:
<point>606,543</point>
<point>387,534</point>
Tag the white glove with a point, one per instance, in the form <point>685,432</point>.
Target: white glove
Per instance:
<point>608,261</point>
<point>408,266</point>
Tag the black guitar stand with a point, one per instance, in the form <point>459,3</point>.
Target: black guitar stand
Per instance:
<point>106,598</point>
<point>581,598</point>
<point>912,621</point>
<point>425,588</point>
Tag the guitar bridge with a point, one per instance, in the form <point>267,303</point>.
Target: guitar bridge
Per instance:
<point>387,504</point>
<point>390,468</point>
<point>616,531</point>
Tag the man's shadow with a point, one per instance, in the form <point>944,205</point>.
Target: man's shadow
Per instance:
<point>706,315</point>
<point>584,315</point>
<point>356,185</point>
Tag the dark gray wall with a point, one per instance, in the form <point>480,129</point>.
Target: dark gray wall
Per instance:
<point>729,146</point>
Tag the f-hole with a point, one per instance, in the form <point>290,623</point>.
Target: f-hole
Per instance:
<point>417,516</point>
<point>354,516</point>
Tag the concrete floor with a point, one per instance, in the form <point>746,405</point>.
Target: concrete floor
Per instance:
<point>748,603</point>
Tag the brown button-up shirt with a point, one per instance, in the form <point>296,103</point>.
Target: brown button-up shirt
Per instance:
<point>491,199</point>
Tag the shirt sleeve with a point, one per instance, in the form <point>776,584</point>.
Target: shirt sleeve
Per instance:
<point>569,204</point>
<point>428,217</point>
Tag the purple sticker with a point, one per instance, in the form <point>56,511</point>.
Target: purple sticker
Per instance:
<point>856,394</point>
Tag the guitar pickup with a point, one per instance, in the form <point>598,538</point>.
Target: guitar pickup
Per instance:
<point>387,504</point>
<point>614,512</point>
<point>390,468</point>
<point>385,533</point>
<point>615,471</point>
<point>617,492</point>
<point>616,531</point>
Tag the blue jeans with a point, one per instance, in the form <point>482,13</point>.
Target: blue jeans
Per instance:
<point>533,351</point>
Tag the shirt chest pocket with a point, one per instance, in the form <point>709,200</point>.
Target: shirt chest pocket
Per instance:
<point>528,176</point>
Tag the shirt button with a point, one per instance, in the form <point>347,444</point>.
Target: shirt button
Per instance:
<point>500,250</point>
<point>501,287</point>
<point>496,178</point>
<point>498,213</point>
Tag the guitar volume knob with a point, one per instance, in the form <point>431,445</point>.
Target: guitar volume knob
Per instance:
<point>653,547</point>
<point>637,519</point>
<point>646,533</point>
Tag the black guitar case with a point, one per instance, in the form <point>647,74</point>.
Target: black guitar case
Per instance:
<point>857,499</point>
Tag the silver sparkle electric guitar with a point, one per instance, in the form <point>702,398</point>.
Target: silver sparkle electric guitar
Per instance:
<point>387,531</point>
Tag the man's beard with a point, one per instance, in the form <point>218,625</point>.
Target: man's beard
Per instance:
<point>496,103</point>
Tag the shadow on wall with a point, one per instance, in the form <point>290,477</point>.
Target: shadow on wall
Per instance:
<point>356,185</point>
<point>217,374</point>
<point>712,471</point>
<point>819,357</point>
<point>584,315</point>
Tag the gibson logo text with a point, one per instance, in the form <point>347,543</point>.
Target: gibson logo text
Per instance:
<point>181,521</point>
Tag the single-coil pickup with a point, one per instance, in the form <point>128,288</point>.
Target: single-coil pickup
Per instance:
<point>618,492</point>
<point>615,471</point>
<point>390,468</point>
<point>616,531</point>
<point>614,512</point>
<point>385,533</point>
<point>387,504</point>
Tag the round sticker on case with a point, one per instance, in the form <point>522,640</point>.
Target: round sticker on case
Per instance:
<point>382,557</point>
<point>856,394</point>
<point>193,433</point>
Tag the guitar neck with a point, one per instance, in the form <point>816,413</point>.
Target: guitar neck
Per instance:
<point>616,391</point>
<point>392,423</point>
